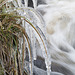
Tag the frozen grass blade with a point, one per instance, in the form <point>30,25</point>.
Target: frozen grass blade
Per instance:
<point>11,29</point>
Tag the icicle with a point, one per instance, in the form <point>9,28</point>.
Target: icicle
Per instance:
<point>46,56</point>
<point>31,32</point>
<point>19,3</point>
<point>31,72</point>
<point>27,28</point>
<point>14,3</point>
<point>20,45</point>
<point>42,41</point>
<point>34,3</point>
<point>30,54</point>
<point>23,23</point>
<point>33,41</point>
<point>38,18</point>
<point>48,65</point>
<point>26,3</point>
<point>30,61</point>
<point>34,49</point>
<point>48,71</point>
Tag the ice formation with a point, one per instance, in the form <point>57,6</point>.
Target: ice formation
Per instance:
<point>33,23</point>
<point>59,28</point>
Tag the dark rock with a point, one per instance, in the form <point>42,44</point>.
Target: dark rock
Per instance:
<point>40,63</point>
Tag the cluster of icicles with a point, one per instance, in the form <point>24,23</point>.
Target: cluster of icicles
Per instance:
<point>33,26</point>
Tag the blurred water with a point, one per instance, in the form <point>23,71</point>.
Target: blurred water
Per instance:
<point>59,16</point>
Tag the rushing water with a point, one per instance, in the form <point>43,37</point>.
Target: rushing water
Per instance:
<point>59,16</point>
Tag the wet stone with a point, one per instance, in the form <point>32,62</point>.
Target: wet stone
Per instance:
<point>40,63</point>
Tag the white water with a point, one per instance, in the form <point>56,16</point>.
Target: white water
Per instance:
<point>60,25</point>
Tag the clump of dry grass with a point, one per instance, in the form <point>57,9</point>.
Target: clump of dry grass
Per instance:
<point>10,33</point>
